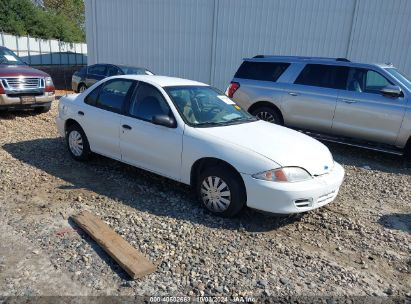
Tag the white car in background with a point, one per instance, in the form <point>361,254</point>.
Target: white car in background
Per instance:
<point>190,132</point>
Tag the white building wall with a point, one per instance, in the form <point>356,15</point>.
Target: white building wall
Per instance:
<point>206,40</point>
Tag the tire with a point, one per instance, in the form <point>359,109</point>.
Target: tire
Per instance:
<point>42,109</point>
<point>81,88</point>
<point>77,143</point>
<point>227,201</point>
<point>268,114</point>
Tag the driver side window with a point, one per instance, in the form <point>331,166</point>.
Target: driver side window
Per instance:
<point>367,81</point>
<point>148,102</point>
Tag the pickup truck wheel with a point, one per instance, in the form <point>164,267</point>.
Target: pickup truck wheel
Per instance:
<point>77,143</point>
<point>268,114</point>
<point>81,88</point>
<point>42,109</point>
<point>221,191</point>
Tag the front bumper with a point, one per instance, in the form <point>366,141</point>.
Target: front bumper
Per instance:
<point>8,102</point>
<point>286,198</point>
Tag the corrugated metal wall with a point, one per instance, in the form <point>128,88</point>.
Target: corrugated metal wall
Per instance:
<point>205,40</point>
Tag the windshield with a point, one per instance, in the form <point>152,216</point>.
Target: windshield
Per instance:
<point>135,71</point>
<point>7,57</point>
<point>405,80</point>
<point>206,106</point>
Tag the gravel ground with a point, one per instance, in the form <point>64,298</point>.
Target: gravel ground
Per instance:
<point>358,245</point>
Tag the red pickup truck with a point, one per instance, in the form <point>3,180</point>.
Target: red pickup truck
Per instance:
<point>22,87</point>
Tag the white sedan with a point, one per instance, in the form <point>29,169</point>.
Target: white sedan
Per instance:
<point>192,133</point>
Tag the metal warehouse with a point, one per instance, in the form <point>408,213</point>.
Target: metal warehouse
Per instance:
<point>206,40</point>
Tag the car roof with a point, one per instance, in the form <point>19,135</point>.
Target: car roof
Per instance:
<point>162,81</point>
<point>319,60</point>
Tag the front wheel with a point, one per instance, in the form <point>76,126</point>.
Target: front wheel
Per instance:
<point>81,88</point>
<point>42,109</point>
<point>77,143</point>
<point>268,114</point>
<point>221,191</point>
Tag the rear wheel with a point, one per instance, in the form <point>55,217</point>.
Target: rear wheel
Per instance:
<point>77,143</point>
<point>81,88</point>
<point>221,191</point>
<point>268,114</point>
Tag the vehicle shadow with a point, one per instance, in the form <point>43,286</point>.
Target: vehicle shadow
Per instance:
<point>131,186</point>
<point>396,221</point>
<point>372,160</point>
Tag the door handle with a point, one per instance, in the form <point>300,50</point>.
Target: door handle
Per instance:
<point>80,113</point>
<point>126,127</point>
<point>292,93</point>
<point>348,100</point>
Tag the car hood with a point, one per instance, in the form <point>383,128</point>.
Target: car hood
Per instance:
<point>284,146</point>
<point>20,70</point>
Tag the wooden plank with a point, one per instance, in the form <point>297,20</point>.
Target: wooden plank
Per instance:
<point>130,259</point>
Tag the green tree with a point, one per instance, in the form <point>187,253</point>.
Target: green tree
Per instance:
<point>72,9</point>
<point>22,17</point>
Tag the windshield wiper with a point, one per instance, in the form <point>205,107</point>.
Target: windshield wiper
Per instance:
<point>240,119</point>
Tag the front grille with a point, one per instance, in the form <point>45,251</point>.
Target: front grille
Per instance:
<point>23,83</point>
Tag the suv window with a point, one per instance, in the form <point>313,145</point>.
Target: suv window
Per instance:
<point>113,70</point>
<point>97,70</point>
<point>322,75</point>
<point>111,95</point>
<point>148,102</point>
<point>368,81</point>
<point>268,71</point>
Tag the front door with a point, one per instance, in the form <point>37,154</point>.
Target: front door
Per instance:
<point>362,112</point>
<point>95,73</point>
<point>146,145</point>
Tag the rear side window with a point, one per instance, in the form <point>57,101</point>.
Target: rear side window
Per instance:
<point>268,71</point>
<point>321,75</point>
<point>113,95</point>
<point>112,71</point>
<point>97,70</point>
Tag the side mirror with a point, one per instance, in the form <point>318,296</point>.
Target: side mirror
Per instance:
<point>391,91</point>
<point>164,120</point>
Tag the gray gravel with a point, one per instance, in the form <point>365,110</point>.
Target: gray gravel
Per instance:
<point>358,245</point>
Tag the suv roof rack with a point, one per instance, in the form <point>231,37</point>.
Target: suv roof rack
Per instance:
<point>302,58</point>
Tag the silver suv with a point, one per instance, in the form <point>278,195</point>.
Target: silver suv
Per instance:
<point>367,105</point>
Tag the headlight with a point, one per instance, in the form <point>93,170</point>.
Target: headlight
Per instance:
<point>49,82</point>
<point>286,174</point>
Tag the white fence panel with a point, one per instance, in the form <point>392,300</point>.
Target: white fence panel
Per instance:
<point>36,51</point>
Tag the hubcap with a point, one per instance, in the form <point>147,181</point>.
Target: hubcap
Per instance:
<point>265,116</point>
<point>75,143</point>
<point>82,89</point>
<point>215,194</point>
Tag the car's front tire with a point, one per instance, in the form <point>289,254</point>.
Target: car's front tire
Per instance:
<point>42,109</point>
<point>221,191</point>
<point>268,114</point>
<point>77,143</point>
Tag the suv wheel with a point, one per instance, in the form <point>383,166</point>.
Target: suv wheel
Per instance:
<point>221,191</point>
<point>77,143</point>
<point>42,109</point>
<point>268,114</point>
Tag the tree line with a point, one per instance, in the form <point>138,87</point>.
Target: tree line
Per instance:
<point>55,19</point>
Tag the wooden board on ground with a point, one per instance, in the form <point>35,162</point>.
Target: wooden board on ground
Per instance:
<point>129,258</point>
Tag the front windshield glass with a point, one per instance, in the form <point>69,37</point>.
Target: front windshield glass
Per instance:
<point>136,71</point>
<point>7,57</point>
<point>400,76</point>
<point>206,106</point>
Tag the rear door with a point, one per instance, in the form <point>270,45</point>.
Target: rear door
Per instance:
<point>95,73</point>
<point>309,103</point>
<point>101,113</point>
<point>362,112</point>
